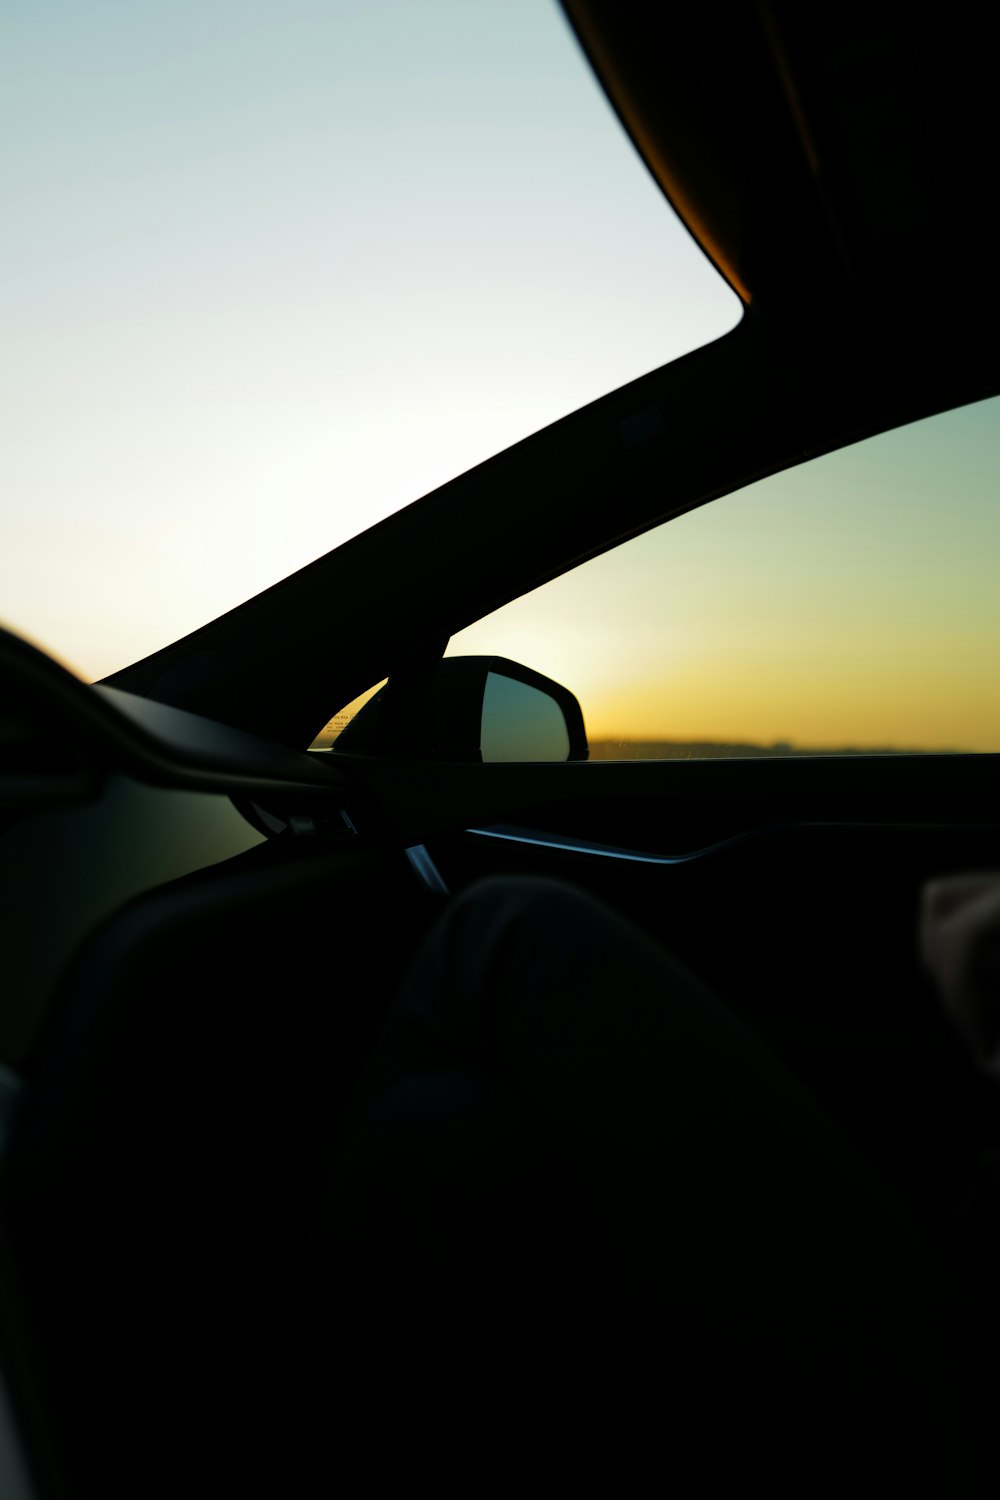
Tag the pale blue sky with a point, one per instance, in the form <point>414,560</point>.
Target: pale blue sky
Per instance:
<point>270,271</point>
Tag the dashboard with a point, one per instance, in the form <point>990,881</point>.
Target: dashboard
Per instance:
<point>103,796</point>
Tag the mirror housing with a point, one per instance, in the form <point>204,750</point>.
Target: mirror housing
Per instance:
<point>469,708</point>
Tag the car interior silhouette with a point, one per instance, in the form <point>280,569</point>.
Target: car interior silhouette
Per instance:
<point>203,920</point>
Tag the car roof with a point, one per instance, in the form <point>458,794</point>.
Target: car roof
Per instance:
<point>843,150</point>
<point>835,162</point>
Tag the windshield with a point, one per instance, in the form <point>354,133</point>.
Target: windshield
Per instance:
<point>273,270</point>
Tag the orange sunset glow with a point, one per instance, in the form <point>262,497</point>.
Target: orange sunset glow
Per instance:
<point>848,603</point>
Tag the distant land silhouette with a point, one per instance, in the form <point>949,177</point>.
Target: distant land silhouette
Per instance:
<point>737,750</point>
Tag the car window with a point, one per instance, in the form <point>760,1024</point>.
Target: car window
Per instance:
<point>846,605</point>
<point>273,270</point>
<point>334,727</point>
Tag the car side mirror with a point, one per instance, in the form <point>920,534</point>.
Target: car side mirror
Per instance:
<point>469,708</point>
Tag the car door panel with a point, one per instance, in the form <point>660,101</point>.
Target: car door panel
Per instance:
<point>791,886</point>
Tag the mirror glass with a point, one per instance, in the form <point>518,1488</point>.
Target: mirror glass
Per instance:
<point>521,722</point>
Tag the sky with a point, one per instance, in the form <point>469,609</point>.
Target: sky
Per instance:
<point>850,602</point>
<point>271,271</point>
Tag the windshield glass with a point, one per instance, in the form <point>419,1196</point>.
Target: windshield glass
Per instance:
<point>273,270</point>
